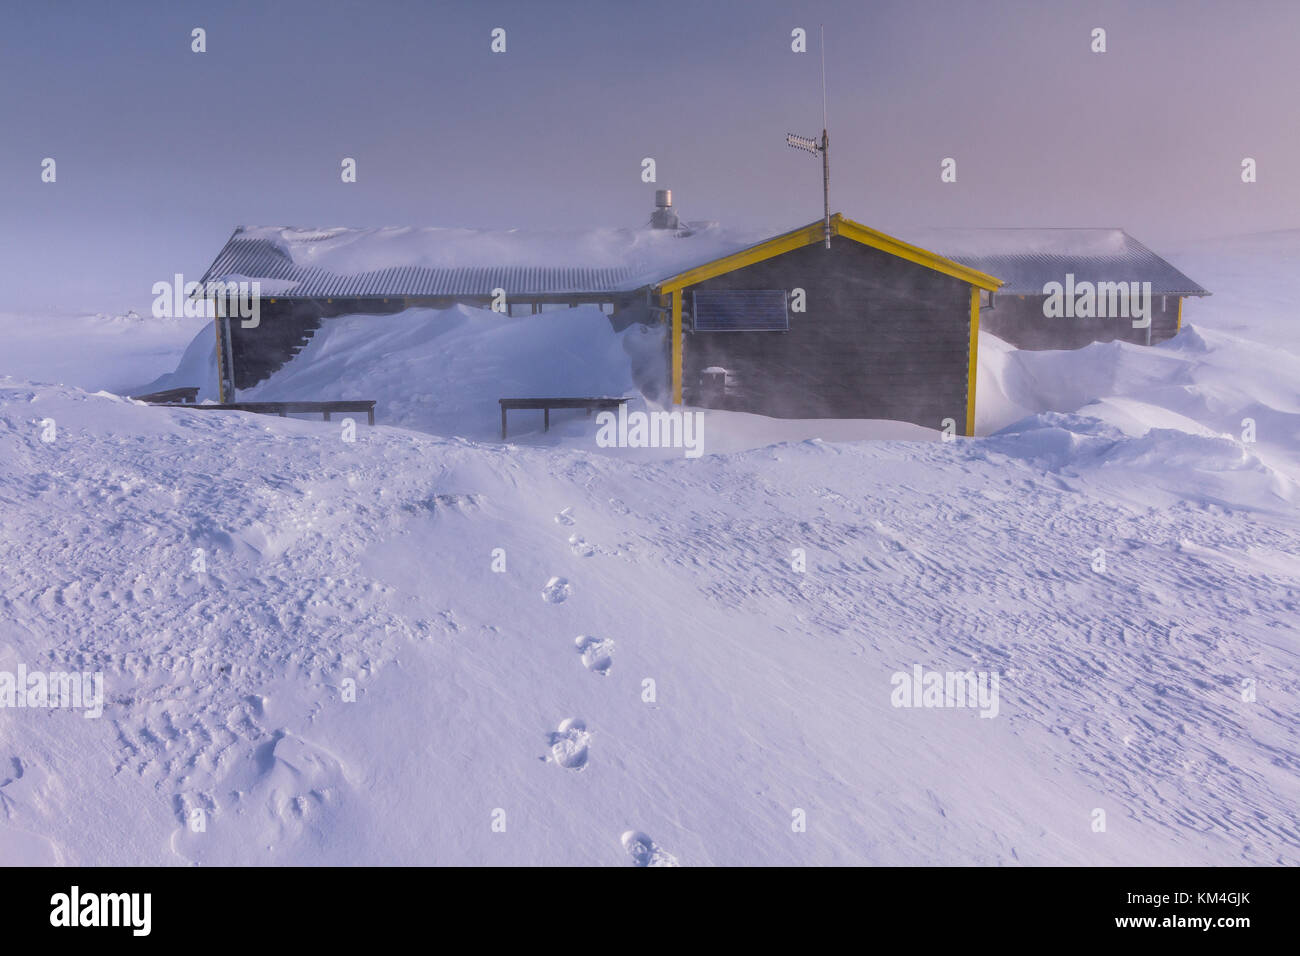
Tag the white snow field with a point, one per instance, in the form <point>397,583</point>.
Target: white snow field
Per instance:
<point>112,352</point>
<point>503,717</point>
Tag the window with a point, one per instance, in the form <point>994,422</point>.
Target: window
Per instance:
<point>736,310</point>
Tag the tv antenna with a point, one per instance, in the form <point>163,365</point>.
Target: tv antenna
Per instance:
<point>810,145</point>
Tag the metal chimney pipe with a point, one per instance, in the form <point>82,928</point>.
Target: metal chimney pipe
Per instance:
<point>663,217</point>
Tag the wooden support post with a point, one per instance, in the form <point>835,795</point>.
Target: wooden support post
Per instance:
<point>503,423</point>
<point>225,354</point>
<point>677,346</point>
<point>221,372</point>
<point>546,419</point>
<point>974,360</point>
<point>231,393</point>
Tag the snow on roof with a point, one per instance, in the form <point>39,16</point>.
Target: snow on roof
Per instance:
<point>419,261</point>
<point>443,262</point>
<point>1026,259</point>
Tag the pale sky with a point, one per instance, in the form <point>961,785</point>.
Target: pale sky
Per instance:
<point>161,152</point>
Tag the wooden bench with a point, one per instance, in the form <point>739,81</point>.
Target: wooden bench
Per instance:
<point>168,396</point>
<point>546,404</point>
<point>284,408</point>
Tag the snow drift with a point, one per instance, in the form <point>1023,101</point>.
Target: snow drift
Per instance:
<point>391,645</point>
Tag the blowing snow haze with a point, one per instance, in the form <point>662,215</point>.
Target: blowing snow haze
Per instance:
<point>1148,136</point>
<point>462,434</point>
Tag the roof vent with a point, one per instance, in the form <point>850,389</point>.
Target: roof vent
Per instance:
<point>663,217</point>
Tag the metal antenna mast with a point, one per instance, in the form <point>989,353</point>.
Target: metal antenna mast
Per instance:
<point>811,145</point>
<point>826,145</point>
<point>821,32</point>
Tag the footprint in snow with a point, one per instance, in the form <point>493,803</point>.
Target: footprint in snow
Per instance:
<point>557,591</point>
<point>569,744</point>
<point>565,516</point>
<point>645,851</point>
<point>580,546</point>
<point>597,653</point>
<point>17,772</point>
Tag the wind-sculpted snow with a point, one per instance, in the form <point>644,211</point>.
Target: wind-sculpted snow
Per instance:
<point>350,680</point>
<point>422,649</point>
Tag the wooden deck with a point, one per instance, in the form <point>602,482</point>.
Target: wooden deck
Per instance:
<point>284,409</point>
<point>187,395</point>
<point>546,404</point>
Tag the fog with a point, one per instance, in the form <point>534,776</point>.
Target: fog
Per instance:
<point>160,151</point>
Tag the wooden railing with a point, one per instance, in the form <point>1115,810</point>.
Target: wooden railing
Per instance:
<point>188,395</point>
<point>546,404</point>
<point>284,408</point>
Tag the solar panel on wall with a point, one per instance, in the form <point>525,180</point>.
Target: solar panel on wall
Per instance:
<point>731,310</point>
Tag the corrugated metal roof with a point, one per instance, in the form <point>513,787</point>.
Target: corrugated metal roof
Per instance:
<point>434,263</point>
<point>256,257</point>
<point>1026,259</point>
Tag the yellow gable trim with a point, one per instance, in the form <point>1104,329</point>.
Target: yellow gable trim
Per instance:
<point>814,233</point>
<point>904,250</point>
<point>974,359</point>
<point>779,245</point>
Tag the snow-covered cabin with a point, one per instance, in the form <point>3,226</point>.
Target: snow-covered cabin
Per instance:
<point>1066,288</point>
<point>867,327</point>
<point>309,275</point>
<point>870,327</point>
